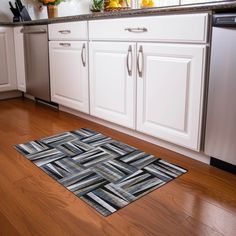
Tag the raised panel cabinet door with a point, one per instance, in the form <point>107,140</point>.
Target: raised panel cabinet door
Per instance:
<point>20,58</point>
<point>112,82</point>
<point>69,74</point>
<point>7,55</point>
<point>170,92</point>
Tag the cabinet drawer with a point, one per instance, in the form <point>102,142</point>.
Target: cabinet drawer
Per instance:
<point>68,31</point>
<point>168,28</point>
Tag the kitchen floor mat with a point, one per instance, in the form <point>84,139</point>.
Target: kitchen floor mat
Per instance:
<point>104,172</point>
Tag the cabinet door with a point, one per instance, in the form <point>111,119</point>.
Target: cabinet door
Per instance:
<point>7,64</point>
<point>169,92</point>
<point>20,58</point>
<point>112,82</point>
<point>69,74</point>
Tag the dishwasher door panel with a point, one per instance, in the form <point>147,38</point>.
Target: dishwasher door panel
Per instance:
<point>37,61</point>
<point>220,140</point>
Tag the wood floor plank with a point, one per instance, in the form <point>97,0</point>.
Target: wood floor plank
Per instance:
<point>201,202</point>
<point>199,209</point>
<point>6,227</point>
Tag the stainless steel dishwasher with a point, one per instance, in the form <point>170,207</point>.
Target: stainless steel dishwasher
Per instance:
<point>37,61</point>
<point>220,140</point>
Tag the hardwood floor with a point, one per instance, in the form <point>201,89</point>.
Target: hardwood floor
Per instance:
<point>201,202</point>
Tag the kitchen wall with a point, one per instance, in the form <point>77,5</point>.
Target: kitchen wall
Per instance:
<point>4,10</point>
<point>183,2</point>
<point>75,7</point>
<point>162,3</point>
<point>70,7</point>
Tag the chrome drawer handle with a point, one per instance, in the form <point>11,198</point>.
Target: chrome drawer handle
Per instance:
<point>83,59</point>
<point>137,30</point>
<point>65,44</point>
<point>64,31</point>
<point>128,58</point>
<point>140,68</point>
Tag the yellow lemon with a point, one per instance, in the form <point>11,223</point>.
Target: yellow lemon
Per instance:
<point>145,3</point>
<point>151,3</point>
<point>113,4</point>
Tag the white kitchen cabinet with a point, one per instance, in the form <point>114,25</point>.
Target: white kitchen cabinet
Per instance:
<point>169,92</point>
<point>20,58</point>
<point>68,31</point>
<point>164,96</point>
<point>184,28</point>
<point>7,64</point>
<point>69,74</point>
<point>113,82</point>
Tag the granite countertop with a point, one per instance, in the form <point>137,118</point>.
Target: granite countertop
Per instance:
<point>213,6</point>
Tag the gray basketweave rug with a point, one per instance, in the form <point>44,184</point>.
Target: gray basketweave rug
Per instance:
<point>105,173</point>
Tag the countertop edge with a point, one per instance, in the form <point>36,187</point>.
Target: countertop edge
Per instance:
<point>191,8</point>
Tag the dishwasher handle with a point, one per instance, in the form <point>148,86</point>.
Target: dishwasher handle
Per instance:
<point>38,31</point>
<point>224,20</point>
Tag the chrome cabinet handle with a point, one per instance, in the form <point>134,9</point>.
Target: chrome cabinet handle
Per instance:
<point>65,44</point>
<point>140,68</point>
<point>129,55</point>
<point>137,30</point>
<point>64,31</point>
<point>83,58</point>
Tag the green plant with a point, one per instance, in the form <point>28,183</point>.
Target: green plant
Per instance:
<point>97,5</point>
